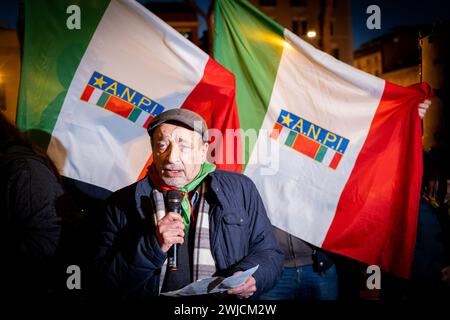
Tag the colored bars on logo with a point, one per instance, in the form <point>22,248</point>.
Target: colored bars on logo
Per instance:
<point>118,106</point>
<point>306,146</point>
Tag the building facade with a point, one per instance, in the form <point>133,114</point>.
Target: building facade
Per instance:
<point>180,16</point>
<point>9,72</point>
<point>303,16</point>
<point>394,57</point>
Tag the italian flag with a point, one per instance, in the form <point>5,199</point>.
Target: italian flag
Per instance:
<point>87,94</point>
<point>345,168</point>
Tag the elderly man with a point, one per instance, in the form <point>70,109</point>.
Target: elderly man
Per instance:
<point>223,228</point>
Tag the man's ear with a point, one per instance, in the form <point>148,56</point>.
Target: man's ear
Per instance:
<point>204,151</point>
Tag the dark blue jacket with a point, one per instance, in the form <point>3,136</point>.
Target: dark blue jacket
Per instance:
<point>130,258</point>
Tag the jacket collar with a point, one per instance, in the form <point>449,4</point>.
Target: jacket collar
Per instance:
<point>143,193</point>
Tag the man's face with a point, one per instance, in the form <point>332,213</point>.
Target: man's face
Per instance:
<point>178,153</point>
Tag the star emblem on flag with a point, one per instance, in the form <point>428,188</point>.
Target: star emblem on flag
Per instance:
<point>99,81</point>
<point>286,120</point>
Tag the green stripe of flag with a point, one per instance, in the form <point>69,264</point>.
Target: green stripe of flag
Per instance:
<point>134,114</point>
<point>103,99</point>
<point>290,138</point>
<point>320,153</point>
<point>51,55</point>
<point>251,49</point>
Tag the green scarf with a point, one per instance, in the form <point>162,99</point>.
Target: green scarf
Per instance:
<point>205,169</point>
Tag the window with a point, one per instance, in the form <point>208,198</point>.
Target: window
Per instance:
<point>299,3</point>
<point>304,27</point>
<point>295,26</point>
<point>336,53</point>
<point>2,97</point>
<point>268,3</point>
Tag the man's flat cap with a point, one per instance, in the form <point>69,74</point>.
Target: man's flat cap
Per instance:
<point>185,117</point>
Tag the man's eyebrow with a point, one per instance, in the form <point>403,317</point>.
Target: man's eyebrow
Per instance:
<point>181,139</point>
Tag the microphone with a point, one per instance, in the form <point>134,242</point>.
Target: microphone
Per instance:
<point>173,205</point>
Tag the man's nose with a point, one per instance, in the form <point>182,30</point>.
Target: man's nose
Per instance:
<point>174,154</point>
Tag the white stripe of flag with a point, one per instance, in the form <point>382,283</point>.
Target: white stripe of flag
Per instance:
<point>328,157</point>
<point>95,96</point>
<point>142,118</point>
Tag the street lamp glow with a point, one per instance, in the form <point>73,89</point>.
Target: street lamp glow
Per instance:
<point>311,34</point>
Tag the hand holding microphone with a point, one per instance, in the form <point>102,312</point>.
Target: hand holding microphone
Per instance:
<point>170,229</point>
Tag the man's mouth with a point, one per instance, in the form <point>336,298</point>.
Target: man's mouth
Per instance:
<point>173,173</point>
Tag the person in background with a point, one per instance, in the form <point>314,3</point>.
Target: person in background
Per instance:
<point>30,192</point>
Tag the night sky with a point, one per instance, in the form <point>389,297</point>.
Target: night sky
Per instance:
<point>393,13</point>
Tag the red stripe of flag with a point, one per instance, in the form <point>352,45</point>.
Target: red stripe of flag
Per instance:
<point>87,93</point>
<point>379,204</point>
<point>214,98</point>
<point>276,131</point>
<point>335,161</point>
<point>145,125</point>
